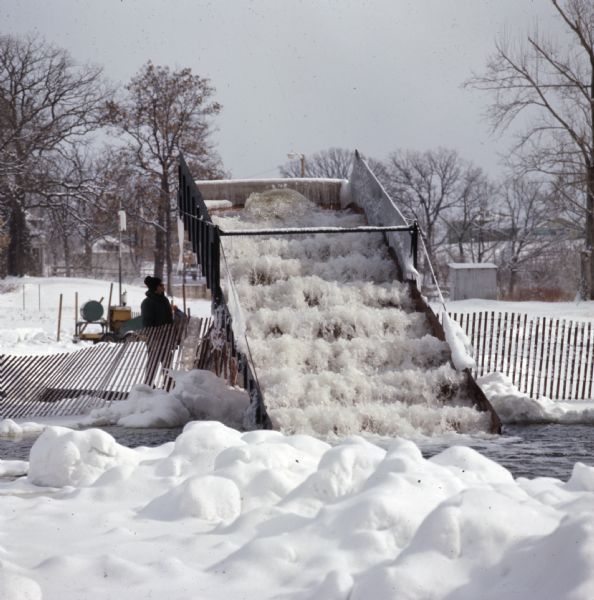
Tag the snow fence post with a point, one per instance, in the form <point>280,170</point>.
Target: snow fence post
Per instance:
<point>59,318</point>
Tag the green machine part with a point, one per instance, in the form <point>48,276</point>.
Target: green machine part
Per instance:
<point>91,311</point>
<point>131,325</point>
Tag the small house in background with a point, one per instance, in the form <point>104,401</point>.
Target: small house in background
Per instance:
<point>472,280</point>
<point>105,258</point>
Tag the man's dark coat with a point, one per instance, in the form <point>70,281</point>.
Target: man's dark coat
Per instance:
<point>155,310</point>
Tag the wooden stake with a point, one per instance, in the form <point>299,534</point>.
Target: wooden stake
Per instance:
<point>109,307</point>
<point>75,309</point>
<point>59,318</point>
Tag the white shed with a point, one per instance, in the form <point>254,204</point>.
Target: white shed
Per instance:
<point>473,280</point>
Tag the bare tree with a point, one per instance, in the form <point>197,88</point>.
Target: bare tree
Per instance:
<point>125,187</point>
<point>47,104</point>
<point>429,185</point>
<point>164,113</point>
<point>332,163</point>
<point>552,84</point>
<point>527,224</point>
<point>3,245</point>
<point>73,197</point>
<point>473,224</point>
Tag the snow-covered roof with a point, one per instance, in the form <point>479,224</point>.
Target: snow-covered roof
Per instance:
<point>106,244</point>
<point>218,204</point>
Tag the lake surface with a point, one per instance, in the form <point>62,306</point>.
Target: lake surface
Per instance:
<point>536,450</point>
<point>527,450</point>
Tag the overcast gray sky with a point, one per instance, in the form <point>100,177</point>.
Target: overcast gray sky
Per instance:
<point>304,75</point>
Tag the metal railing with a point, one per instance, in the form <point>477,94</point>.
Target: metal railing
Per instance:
<point>205,238</point>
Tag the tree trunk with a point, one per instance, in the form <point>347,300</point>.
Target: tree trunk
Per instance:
<point>67,261</point>
<point>18,255</point>
<point>590,229</point>
<point>513,279</point>
<point>159,246</point>
<point>88,254</point>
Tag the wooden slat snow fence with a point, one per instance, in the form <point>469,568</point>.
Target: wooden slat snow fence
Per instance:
<point>541,355</point>
<point>73,383</point>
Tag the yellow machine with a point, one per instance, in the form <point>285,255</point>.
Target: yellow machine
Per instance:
<point>114,328</point>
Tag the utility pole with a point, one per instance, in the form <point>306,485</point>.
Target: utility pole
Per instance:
<point>121,228</point>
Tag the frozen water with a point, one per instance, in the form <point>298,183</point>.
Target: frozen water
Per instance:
<point>337,345</point>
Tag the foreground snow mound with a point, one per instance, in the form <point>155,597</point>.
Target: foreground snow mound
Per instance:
<point>221,514</point>
<point>16,587</point>
<point>61,457</point>
<point>12,429</point>
<point>208,498</point>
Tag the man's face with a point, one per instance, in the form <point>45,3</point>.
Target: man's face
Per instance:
<point>160,289</point>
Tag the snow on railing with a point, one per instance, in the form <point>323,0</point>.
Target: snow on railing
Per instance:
<point>369,194</point>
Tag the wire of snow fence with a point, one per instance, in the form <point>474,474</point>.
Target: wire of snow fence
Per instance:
<point>75,382</point>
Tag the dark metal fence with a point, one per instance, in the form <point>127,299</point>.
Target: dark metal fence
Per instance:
<point>206,244</point>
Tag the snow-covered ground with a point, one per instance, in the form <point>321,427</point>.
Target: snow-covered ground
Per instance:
<point>29,310</point>
<point>223,514</point>
<point>572,311</point>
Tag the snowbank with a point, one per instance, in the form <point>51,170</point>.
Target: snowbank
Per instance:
<point>196,395</point>
<point>513,406</point>
<point>12,429</point>
<point>61,457</point>
<point>220,514</point>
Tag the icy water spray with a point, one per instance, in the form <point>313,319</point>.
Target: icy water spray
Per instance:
<point>336,342</point>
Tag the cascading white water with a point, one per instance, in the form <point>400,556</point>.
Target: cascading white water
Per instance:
<point>337,345</point>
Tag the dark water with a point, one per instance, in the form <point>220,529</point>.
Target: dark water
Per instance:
<point>536,450</point>
<point>18,449</point>
<point>527,451</point>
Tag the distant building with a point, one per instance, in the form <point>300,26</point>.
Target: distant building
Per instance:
<point>105,256</point>
<point>39,253</point>
<point>472,280</point>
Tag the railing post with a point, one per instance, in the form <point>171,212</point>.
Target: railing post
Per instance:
<point>217,292</point>
<point>414,233</point>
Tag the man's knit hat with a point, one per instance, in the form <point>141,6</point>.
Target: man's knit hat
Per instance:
<point>152,282</point>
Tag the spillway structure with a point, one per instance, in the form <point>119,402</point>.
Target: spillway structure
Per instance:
<point>317,310</point>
